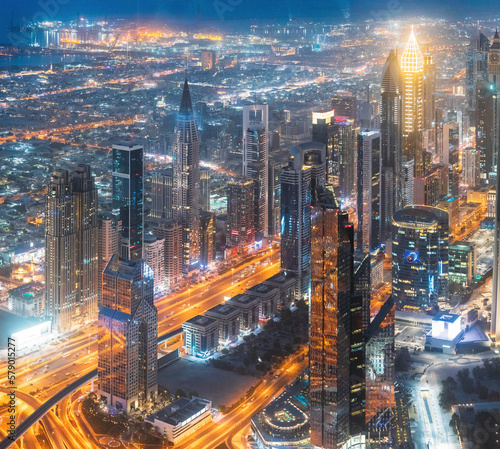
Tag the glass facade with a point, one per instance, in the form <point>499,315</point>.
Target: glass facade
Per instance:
<point>128,197</point>
<point>330,325</point>
<point>420,257</point>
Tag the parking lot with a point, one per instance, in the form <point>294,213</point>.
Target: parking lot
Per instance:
<point>411,337</point>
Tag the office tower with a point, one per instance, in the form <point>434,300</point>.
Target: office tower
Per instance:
<point>336,325</point>
<point>494,78</point>
<point>484,129</point>
<point>171,232</point>
<point>208,59</point>
<point>471,172</point>
<point>240,231</point>
<point>274,187</point>
<point>314,156</point>
<point>205,189</point>
<point>110,229</point>
<point>429,190</point>
<point>420,257</point>
<point>368,222</point>
<point>390,132</point>
<point>296,221</point>
<point>71,249</point>
<point>345,152</point>
<point>323,131</point>
<point>127,336</point>
<point>462,263</point>
<point>476,72</point>
<point>274,141</point>
<point>380,372</point>
<point>128,196</point>
<point>412,68</point>
<point>344,105</point>
<point>450,140</point>
<point>429,92</point>
<point>454,173</point>
<point>154,255</point>
<point>186,167</point>
<point>494,82</point>
<point>162,194</point>
<point>407,174</point>
<point>255,162</point>
<point>207,238</point>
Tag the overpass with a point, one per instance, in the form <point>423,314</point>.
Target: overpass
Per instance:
<point>41,411</point>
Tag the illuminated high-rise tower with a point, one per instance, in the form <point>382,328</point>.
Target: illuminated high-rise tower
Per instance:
<point>186,186</point>
<point>255,162</point>
<point>476,72</point>
<point>71,249</point>
<point>494,81</point>
<point>128,196</point>
<point>390,130</point>
<point>128,336</point>
<point>412,68</point>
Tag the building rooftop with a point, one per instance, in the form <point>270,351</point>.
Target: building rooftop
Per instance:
<point>242,299</point>
<point>28,291</point>
<point>222,309</point>
<point>200,320</point>
<point>446,317</point>
<point>182,411</point>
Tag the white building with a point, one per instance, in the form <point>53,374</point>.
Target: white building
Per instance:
<point>182,418</point>
<point>154,253</point>
<point>471,167</point>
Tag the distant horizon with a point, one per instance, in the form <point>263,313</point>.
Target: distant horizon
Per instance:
<point>235,13</point>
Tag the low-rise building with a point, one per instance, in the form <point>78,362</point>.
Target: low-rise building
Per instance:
<point>201,336</point>
<point>229,322</point>
<point>462,263</point>
<point>285,283</point>
<point>182,418</point>
<point>268,299</point>
<point>249,311</point>
<point>28,300</point>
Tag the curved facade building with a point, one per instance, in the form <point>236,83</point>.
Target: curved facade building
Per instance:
<point>419,257</point>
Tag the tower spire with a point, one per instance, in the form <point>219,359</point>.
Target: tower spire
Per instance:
<point>186,105</point>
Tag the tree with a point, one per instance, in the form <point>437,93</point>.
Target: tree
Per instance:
<point>180,393</point>
<point>193,393</point>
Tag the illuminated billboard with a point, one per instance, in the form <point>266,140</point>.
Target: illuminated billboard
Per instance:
<point>411,256</point>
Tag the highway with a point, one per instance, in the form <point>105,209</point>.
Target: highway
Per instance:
<point>44,374</point>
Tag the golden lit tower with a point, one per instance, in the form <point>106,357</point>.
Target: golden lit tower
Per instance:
<point>412,68</point>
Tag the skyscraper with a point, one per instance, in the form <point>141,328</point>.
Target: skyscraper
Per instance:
<point>429,92</point>
<point>412,68</point>
<point>207,238</point>
<point>274,198</point>
<point>368,222</point>
<point>471,159</point>
<point>240,230</point>
<point>344,104</point>
<point>154,255</point>
<point>171,232</point>
<point>380,372</point>
<point>128,336</point>
<point>71,249</point>
<point>390,130</point>
<point>407,174</point>
<point>110,231</point>
<point>420,257</point>
<point>162,194</point>
<point>186,170</point>
<point>345,148</point>
<point>484,129</point>
<point>323,130</point>
<point>494,77</point>
<point>296,221</point>
<point>128,196</point>
<point>336,354</point>
<point>255,161</point>
<point>476,72</point>
<point>205,189</point>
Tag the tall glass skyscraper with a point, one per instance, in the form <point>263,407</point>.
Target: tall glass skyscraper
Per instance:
<point>412,67</point>
<point>391,133</point>
<point>420,257</point>
<point>256,161</point>
<point>128,336</point>
<point>186,186</point>
<point>71,249</point>
<point>128,197</point>
<point>332,280</point>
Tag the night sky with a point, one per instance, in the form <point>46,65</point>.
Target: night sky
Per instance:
<point>223,12</point>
